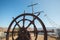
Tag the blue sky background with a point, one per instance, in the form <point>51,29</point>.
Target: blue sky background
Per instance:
<point>12,8</point>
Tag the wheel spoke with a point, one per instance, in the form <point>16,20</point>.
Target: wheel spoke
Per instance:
<point>28,25</point>
<point>17,23</point>
<point>35,31</point>
<point>23,20</point>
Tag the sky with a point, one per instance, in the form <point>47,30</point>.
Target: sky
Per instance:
<point>13,8</point>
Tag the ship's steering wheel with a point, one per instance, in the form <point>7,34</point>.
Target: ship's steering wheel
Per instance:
<point>23,33</point>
